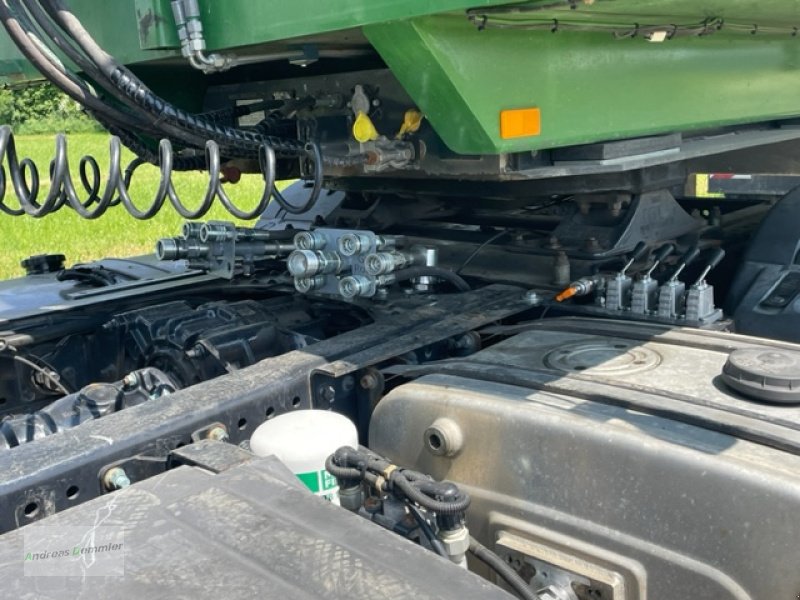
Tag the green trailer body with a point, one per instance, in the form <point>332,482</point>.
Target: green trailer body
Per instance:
<point>581,64</point>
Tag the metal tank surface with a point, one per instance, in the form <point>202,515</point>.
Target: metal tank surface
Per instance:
<point>611,457</point>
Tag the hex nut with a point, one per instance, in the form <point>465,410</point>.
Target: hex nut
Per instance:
<point>456,543</point>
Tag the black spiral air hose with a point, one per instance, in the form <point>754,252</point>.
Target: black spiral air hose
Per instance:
<point>237,141</point>
<point>140,113</point>
<point>25,180</point>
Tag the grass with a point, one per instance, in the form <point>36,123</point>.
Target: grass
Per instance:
<point>114,234</point>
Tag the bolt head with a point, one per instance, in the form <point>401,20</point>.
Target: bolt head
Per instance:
<point>532,297</point>
<point>217,433</point>
<point>328,393</point>
<point>130,380</point>
<point>368,381</point>
<point>116,479</point>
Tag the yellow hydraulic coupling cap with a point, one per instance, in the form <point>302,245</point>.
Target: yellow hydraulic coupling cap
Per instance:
<point>412,121</point>
<point>363,129</point>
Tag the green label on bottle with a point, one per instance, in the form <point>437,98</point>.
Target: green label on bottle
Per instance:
<point>322,484</point>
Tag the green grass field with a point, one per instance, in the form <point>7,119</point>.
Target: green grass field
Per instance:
<point>114,234</point>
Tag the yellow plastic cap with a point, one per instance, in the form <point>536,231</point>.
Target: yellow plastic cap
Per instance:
<point>520,122</point>
<point>363,129</point>
<point>412,121</point>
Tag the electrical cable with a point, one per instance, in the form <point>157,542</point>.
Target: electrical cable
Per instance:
<point>506,573</point>
<point>503,17</point>
<point>477,250</point>
<point>49,372</point>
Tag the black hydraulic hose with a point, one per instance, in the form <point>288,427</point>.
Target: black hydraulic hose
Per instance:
<point>17,27</point>
<point>20,30</point>
<point>449,276</point>
<point>342,473</point>
<point>136,121</point>
<point>17,22</point>
<point>169,121</point>
<point>499,566</point>
<point>132,143</point>
<point>236,141</point>
<point>136,90</point>
<point>458,505</point>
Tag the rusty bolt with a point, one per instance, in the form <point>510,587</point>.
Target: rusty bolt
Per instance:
<point>116,479</point>
<point>373,504</point>
<point>369,381</point>
<point>217,433</point>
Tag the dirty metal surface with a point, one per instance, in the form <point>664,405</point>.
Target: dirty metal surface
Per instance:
<point>252,531</point>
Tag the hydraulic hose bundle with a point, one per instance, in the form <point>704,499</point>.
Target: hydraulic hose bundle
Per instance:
<point>135,116</point>
<point>352,468</point>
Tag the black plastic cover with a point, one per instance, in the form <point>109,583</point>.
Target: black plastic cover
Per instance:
<point>765,375</point>
<point>765,296</point>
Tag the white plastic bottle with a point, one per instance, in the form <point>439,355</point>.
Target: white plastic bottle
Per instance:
<point>302,440</point>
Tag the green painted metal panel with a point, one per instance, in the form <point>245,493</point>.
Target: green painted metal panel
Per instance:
<point>136,31</point>
<point>156,25</point>
<point>115,24</point>
<point>588,85</point>
<point>230,23</point>
<point>751,11</point>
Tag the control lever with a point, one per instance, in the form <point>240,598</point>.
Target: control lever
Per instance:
<point>638,252</point>
<point>618,287</point>
<point>645,291</point>
<point>659,257</point>
<point>671,301</point>
<point>700,298</point>
<point>716,258</point>
<point>687,259</point>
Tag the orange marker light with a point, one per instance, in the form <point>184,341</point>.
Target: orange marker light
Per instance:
<point>520,122</point>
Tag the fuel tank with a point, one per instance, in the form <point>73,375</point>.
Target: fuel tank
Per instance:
<point>613,457</point>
